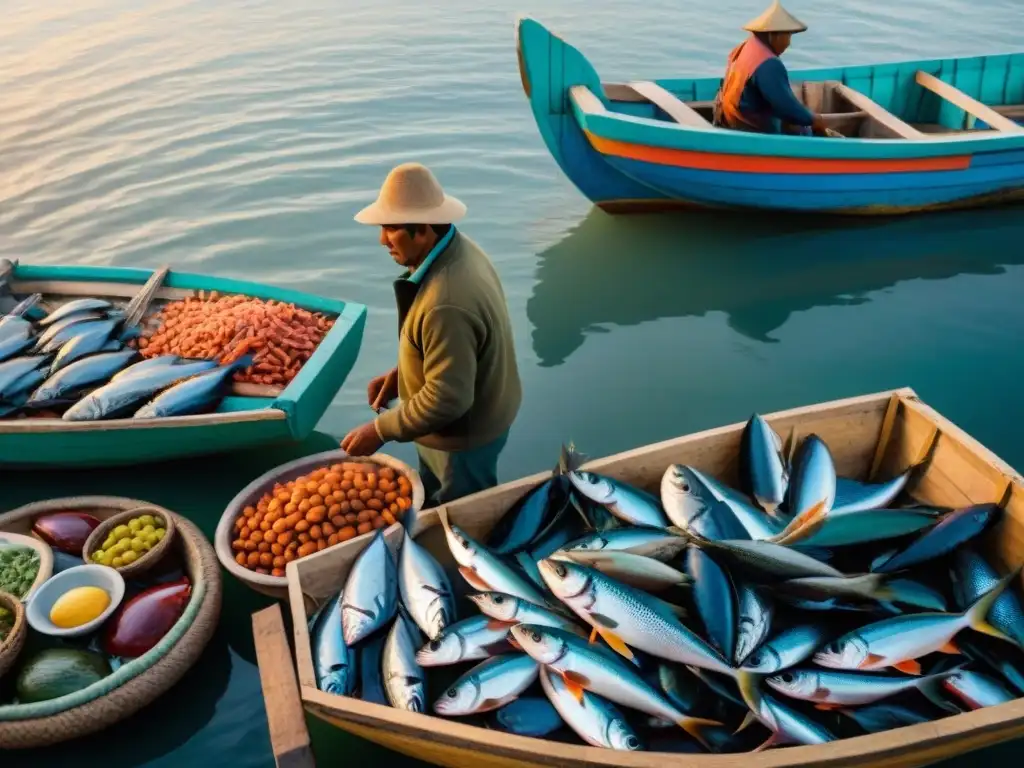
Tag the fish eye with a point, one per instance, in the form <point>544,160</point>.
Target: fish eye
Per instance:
<point>451,693</point>
<point>787,677</point>
<point>498,599</point>
<point>534,635</point>
<point>561,571</point>
<point>632,742</point>
<point>435,645</point>
<point>685,486</point>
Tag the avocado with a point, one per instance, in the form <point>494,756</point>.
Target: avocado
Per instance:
<point>56,672</point>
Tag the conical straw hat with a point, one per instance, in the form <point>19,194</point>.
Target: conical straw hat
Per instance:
<point>412,195</point>
<point>776,19</point>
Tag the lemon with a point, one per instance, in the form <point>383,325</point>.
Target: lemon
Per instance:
<point>111,541</point>
<point>152,539</point>
<point>147,529</point>
<point>79,606</point>
<point>97,557</point>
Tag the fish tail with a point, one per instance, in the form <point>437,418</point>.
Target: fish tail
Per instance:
<point>695,725</point>
<point>569,460</point>
<point>748,683</point>
<point>243,362</point>
<point>748,720</point>
<point>977,614</point>
<point>803,525</point>
<point>931,688</point>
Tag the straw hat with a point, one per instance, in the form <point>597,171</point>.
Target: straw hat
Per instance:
<point>776,19</point>
<point>412,195</point>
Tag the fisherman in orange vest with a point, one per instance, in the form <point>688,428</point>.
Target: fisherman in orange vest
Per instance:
<point>756,95</point>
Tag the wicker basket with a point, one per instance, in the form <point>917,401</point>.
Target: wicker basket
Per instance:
<point>11,647</point>
<point>145,687</point>
<point>149,559</point>
<point>277,586</point>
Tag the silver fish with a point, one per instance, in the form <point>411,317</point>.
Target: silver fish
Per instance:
<point>754,520</point>
<point>645,573</point>
<point>74,307</point>
<point>754,619</point>
<point>93,370</point>
<point>585,667</point>
<point>594,719</point>
<point>403,678</point>
<point>885,716</point>
<point>61,326</point>
<point>831,689</point>
<point>763,469</point>
<point>371,592</point>
<point>194,394</point>
<point>332,659</point>
<point>715,599</point>
<point>1011,670</point>
<point>953,530</point>
<point>972,578</point>
<point>425,589</point>
<point>900,640</point>
<point>790,726</point>
<point>482,569</point>
<point>529,567</point>
<point>12,326</point>
<point>91,338</point>
<point>622,614</point>
<point>520,526</point>
<point>15,343</point>
<point>148,364</point>
<point>694,509</point>
<point>478,637</point>
<point>13,370</point>
<point>868,586</point>
<point>812,485</point>
<point>527,716</point>
<point>115,396</point>
<point>786,649</point>
<point>768,560</point>
<point>514,610</point>
<point>855,496</point>
<point>848,528</point>
<point>977,690</point>
<point>621,499</point>
<point>370,655</point>
<point>915,593</point>
<point>489,685</point>
<point>638,540</point>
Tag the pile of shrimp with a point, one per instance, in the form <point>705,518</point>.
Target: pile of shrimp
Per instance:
<point>280,336</point>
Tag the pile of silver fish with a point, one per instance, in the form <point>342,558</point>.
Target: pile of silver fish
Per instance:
<point>76,361</point>
<point>798,607</point>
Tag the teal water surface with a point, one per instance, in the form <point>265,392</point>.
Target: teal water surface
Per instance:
<point>239,137</point>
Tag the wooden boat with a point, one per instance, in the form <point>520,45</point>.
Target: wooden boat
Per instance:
<point>920,135</point>
<point>251,414</point>
<point>140,681</point>
<point>874,435</point>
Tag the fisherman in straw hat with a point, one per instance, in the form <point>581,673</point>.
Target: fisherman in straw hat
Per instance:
<point>756,94</point>
<point>457,377</point>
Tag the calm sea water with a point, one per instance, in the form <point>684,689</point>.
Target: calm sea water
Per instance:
<point>239,138</point>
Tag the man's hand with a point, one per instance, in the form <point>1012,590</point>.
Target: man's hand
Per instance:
<point>362,441</point>
<point>383,389</point>
<point>818,126</point>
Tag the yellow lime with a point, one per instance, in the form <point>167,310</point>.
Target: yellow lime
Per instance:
<point>151,539</point>
<point>118,561</point>
<point>138,544</point>
<point>121,531</point>
<point>79,606</point>
<point>122,546</point>
<point>147,529</point>
<point>135,525</point>
<point>111,541</point>
<point>159,533</point>
<point>97,556</point>
<point>148,520</point>
<point>107,559</point>
<point>129,557</point>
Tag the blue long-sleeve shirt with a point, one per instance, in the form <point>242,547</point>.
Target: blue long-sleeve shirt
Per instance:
<point>769,91</point>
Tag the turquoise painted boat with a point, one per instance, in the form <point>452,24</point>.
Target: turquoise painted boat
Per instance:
<point>916,136</point>
<point>249,415</point>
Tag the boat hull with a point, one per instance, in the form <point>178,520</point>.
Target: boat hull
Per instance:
<point>252,415</point>
<point>625,157</point>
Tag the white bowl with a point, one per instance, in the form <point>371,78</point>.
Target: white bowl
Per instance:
<point>38,609</point>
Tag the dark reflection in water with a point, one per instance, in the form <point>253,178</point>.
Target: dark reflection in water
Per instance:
<point>755,268</point>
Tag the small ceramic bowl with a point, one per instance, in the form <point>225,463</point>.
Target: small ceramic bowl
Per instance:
<point>148,559</point>
<point>38,609</point>
<point>45,557</point>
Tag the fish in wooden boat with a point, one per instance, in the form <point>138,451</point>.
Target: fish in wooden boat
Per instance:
<point>332,658</point>
<point>715,598</point>
<point>787,649</point>
<point>489,685</point>
<point>918,136</point>
<point>855,496</point>
<point>754,613</point>
<point>370,597</point>
<point>594,719</point>
<point>972,577</point>
<point>692,508</point>
<point>196,394</point>
<point>425,589</point>
<point>833,689</point>
<point>976,689</point>
<point>515,610</point>
<point>473,638</point>
<point>657,543</point>
<point>67,384</point>
<point>78,306</point>
<point>763,471</point>
<point>403,678</point>
<point>527,716</point>
<point>627,503</point>
<point>636,570</point>
<point>954,529</point>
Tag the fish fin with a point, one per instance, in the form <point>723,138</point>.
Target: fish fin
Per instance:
<point>910,666</point>
<point>617,644</point>
<point>593,635</point>
<point>474,580</point>
<point>827,706</point>
<point>951,647</point>
<point>604,621</point>
<point>499,624</point>
<point>496,648</point>
<point>931,688</point>
<point>573,686</point>
<point>873,660</point>
<point>803,525</point>
<point>487,704</point>
<point>749,719</point>
<point>977,614</point>
<point>768,743</point>
<point>694,726</point>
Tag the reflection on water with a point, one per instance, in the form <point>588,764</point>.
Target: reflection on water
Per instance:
<point>758,269</point>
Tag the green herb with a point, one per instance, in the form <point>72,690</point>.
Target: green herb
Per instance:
<point>19,567</point>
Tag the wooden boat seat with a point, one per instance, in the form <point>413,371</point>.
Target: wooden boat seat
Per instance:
<point>882,117</point>
<point>674,107</point>
<point>954,95</point>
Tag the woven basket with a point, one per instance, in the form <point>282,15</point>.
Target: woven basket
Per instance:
<point>146,686</point>
<point>149,559</point>
<point>11,647</point>
<point>277,586</point>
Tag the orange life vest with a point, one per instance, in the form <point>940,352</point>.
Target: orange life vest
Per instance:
<point>743,62</point>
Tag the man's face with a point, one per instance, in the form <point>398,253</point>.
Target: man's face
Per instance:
<point>407,250</point>
<point>780,41</point>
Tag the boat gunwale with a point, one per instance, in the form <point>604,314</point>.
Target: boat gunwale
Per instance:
<point>907,746</point>
<point>179,285</point>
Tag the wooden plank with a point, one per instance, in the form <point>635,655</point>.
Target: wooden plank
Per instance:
<point>1011,110</point>
<point>29,426</point>
<point>289,737</point>
<point>971,106</point>
<point>884,117</point>
<point>670,104</point>
<point>585,99</point>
